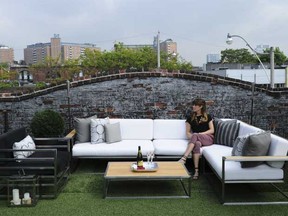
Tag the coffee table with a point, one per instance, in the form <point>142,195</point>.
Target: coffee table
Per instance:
<point>121,171</point>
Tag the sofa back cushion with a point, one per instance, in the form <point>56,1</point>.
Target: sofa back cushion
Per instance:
<point>169,129</point>
<point>135,129</point>
<point>8,139</point>
<point>247,129</point>
<point>278,147</point>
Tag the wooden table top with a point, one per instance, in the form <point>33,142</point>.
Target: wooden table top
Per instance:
<point>165,170</point>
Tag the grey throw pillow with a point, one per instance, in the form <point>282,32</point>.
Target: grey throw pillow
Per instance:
<point>240,142</point>
<point>82,127</point>
<point>113,132</point>
<point>226,132</point>
<point>238,145</point>
<point>257,145</point>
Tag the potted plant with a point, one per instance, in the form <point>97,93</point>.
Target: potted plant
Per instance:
<point>47,123</point>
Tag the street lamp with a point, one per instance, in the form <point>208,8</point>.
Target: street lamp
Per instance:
<point>229,41</point>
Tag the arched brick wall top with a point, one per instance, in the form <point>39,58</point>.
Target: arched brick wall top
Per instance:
<point>213,79</point>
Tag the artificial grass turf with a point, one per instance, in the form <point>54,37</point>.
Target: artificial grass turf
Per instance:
<point>83,195</point>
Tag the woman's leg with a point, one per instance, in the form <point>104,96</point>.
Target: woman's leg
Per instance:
<point>202,140</point>
<point>196,158</point>
<point>189,149</point>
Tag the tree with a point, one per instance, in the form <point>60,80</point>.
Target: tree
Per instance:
<point>279,57</point>
<point>237,56</point>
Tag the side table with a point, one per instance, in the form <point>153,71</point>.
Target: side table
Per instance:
<point>23,190</point>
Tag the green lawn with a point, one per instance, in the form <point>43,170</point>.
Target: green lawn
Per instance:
<point>83,195</point>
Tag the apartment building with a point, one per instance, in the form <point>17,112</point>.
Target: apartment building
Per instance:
<point>168,46</point>
<point>6,54</point>
<point>213,58</point>
<point>62,51</point>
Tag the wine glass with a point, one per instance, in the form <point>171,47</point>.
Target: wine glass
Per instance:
<point>152,156</point>
<point>148,157</point>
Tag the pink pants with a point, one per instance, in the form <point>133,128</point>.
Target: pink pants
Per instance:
<point>200,140</point>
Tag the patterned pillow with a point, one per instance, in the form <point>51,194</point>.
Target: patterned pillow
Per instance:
<point>26,143</point>
<point>226,132</point>
<point>238,145</point>
<point>98,130</point>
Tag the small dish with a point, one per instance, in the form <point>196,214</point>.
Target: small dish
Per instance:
<point>148,167</point>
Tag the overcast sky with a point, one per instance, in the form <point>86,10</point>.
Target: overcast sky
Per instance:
<point>198,27</point>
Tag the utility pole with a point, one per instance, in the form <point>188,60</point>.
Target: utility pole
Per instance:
<point>158,51</point>
<point>69,105</point>
<point>272,67</point>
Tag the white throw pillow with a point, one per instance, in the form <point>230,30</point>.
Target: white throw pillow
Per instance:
<point>98,130</point>
<point>26,143</point>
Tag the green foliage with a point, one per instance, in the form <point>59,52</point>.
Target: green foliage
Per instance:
<point>122,58</point>
<point>279,57</point>
<point>237,56</point>
<point>47,123</point>
<point>40,85</point>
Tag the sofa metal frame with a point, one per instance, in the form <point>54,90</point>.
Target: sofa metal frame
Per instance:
<point>222,197</point>
<point>57,180</point>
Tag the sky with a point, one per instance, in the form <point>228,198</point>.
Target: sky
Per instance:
<point>198,27</point>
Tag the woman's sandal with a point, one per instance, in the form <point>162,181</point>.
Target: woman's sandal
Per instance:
<point>196,174</point>
<point>183,159</point>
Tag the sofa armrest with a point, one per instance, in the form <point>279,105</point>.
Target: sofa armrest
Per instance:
<point>56,142</point>
<point>255,158</point>
<point>41,162</point>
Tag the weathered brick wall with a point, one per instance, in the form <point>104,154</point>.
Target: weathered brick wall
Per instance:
<point>146,96</point>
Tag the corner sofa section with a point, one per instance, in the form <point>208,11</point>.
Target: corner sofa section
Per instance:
<point>228,168</point>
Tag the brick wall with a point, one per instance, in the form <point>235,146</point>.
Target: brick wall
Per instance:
<point>153,95</point>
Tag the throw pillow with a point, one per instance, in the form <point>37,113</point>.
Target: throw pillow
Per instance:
<point>82,127</point>
<point>257,145</point>
<point>26,143</point>
<point>239,143</point>
<point>98,130</point>
<point>226,132</point>
<point>113,132</point>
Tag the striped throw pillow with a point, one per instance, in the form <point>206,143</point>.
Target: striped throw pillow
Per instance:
<point>226,132</point>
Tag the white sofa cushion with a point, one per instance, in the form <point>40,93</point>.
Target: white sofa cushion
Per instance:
<point>233,171</point>
<point>170,147</point>
<point>278,147</point>
<point>123,148</point>
<point>135,129</point>
<point>169,129</point>
<point>247,129</point>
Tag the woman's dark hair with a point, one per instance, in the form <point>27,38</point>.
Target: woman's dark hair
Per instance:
<point>200,102</point>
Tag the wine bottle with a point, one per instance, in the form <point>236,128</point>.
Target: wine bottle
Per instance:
<point>139,159</point>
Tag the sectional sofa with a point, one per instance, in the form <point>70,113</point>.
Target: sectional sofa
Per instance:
<point>167,138</point>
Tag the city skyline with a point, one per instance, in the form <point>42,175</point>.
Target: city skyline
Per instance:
<point>198,28</point>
